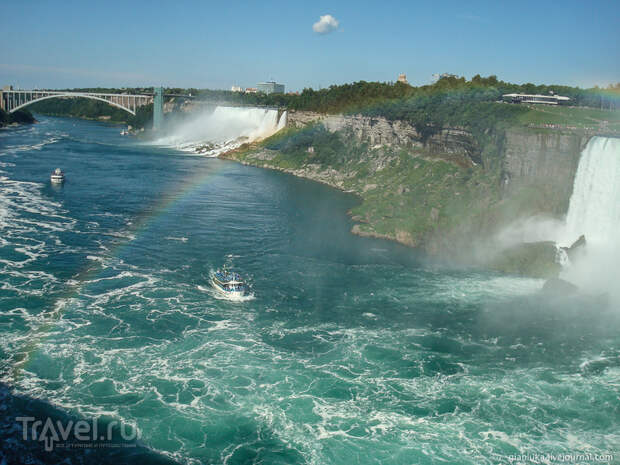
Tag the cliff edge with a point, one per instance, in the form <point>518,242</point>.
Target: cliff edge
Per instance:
<point>450,193</point>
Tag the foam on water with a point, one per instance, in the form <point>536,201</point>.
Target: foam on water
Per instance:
<point>181,239</point>
<point>340,359</point>
<point>51,139</point>
<point>24,212</point>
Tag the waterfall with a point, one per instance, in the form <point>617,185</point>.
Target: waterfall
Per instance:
<point>283,120</point>
<point>594,211</point>
<point>594,208</point>
<point>212,132</point>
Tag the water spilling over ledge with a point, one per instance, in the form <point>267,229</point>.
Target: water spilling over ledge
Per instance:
<point>594,209</point>
<point>214,131</point>
<point>594,212</point>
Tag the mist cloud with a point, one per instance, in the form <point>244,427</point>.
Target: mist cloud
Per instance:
<point>325,25</point>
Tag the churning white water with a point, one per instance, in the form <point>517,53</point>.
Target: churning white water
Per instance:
<point>594,211</point>
<point>212,132</point>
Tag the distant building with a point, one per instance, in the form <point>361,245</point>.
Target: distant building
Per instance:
<point>551,99</point>
<point>250,90</point>
<point>270,87</point>
<point>236,89</point>
<point>437,77</point>
<point>402,77</point>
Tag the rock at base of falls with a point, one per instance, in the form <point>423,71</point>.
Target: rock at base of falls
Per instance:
<point>535,259</point>
<point>557,286</point>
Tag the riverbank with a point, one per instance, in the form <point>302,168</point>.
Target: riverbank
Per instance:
<point>454,195</point>
<point>16,118</point>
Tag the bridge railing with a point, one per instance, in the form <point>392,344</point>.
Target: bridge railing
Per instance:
<point>12,100</point>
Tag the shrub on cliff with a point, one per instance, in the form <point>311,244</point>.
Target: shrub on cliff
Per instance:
<point>473,108</point>
<point>314,143</point>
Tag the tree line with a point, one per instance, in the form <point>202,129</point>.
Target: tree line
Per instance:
<point>451,100</point>
<point>19,117</point>
<point>359,95</point>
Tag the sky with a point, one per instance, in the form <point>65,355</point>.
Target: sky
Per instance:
<point>205,44</point>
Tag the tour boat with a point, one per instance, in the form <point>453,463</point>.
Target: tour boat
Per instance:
<point>57,177</point>
<point>229,283</point>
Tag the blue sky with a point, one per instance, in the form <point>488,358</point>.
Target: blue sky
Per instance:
<point>218,44</point>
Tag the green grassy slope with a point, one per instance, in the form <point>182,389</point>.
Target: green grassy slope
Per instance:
<point>431,199</point>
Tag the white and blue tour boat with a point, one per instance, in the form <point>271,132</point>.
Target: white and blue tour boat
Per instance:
<point>57,177</point>
<point>229,283</point>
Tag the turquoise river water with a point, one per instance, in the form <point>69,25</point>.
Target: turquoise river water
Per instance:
<point>351,351</point>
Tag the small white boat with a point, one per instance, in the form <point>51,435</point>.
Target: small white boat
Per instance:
<point>57,177</point>
<point>229,283</point>
<point>124,132</point>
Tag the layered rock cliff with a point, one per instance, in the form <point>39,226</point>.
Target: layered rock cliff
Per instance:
<point>445,192</point>
<point>543,160</point>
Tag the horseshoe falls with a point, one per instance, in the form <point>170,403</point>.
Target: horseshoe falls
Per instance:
<point>595,204</point>
<point>594,212</point>
<point>353,350</point>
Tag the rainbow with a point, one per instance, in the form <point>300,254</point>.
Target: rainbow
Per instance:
<point>142,223</point>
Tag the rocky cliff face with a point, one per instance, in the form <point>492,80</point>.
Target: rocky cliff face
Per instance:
<point>546,161</point>
<point>543,160</point>
<point>445,192</point>
<point>379,132</point>
<point>299,119</point>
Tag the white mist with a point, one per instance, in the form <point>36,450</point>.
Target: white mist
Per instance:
<point>222,129</point>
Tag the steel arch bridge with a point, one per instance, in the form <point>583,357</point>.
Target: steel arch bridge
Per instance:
<point>13,100</point>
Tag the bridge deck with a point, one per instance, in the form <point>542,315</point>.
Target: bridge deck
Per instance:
<point>12,100</point>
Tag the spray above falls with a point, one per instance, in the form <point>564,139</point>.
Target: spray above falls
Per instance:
<point>214,131</point>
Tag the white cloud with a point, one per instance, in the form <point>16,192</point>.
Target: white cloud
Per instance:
<point>325,25</point>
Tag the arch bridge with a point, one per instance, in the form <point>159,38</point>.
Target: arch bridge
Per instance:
<point>13,100</point>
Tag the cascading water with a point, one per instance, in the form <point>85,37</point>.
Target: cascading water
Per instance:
<point>225,128</point>
<point>594,211</point>
<point>595,204</point>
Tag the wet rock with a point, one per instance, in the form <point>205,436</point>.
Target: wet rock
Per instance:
<point>559,286</point>
<point>535,259</point>
<point>573,251</point>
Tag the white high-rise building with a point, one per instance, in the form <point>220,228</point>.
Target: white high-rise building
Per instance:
<point>270,87</point>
